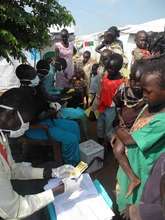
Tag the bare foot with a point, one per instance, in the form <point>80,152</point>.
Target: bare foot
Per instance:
<point>136,182</point>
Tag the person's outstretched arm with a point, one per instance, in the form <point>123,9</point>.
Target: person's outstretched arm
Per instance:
<point>99,47</point>
<point>124,135</point>
<point>15,206</point>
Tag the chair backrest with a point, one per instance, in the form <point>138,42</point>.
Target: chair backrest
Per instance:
<point>56,146</point>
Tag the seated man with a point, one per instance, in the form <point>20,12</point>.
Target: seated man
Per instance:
<point>45,117</point>
<point>15,113</point>
<point>47,81</point>
<point>51,93</point>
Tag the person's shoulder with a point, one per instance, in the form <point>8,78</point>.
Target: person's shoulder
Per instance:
<point>160,117</point>
<point>119,81</point>
<point>116,44</point>
<point>137,53</point>
<point>104,79</point>
<point>123,87</point>
<point>58,44</point>
<point>105,75</point>
<point>27,90</point>
<point>71,43</point>
<point>92,61</point>
<point>136,50</point>
<point>120,43</point>
<point>158,121</point>
<point>116,48</point>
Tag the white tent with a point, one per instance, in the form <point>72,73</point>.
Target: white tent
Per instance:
<point>88,42</point>
<point>127,35</point>
<point>155,25</point>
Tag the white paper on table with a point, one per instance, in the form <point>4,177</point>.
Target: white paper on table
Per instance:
<point>84,204</point>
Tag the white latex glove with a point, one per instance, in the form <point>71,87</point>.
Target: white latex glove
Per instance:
<point>55,105</point>
<point>63,171</point>
<point>71,185</point>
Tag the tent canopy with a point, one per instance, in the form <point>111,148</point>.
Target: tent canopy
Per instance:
<point>155,26</point>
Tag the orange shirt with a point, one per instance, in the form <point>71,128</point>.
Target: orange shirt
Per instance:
<point>108,90</point>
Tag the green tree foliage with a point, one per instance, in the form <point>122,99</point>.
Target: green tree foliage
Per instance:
<point>24,24</point>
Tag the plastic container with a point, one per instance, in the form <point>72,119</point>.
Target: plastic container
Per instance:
<point>88,151</point>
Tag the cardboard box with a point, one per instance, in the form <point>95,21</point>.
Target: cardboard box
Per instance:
<point>88,151</point>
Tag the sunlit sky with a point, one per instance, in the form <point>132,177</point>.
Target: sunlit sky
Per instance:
<point>97,15</point>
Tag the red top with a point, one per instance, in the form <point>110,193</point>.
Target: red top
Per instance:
<point>3,152</point>
<point>108,90</point>
<point>145,53</point>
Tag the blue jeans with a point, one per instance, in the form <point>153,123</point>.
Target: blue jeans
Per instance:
<point>65,131</point>
<point>105,123</point>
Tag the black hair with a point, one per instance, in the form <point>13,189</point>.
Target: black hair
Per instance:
<point>137,69</point>
<point>95,66</point>
<point>64,31</point>
<point>42,68</point>
<point>42,64</point>
<point>115,30</point>
<point>112,33</point>
<point>155,66</point>
<point>105,56</point>
<point>115,62</point>
<point>87,52</point>
<point>60,64</point>
<point>25,71</point>
<point>20,99</point>
<point>140,32</point>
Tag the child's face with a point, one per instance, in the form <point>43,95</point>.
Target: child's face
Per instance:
<point>112,72</point>
<point>58,65</point>
<point>135,85</point>
<point>142,41</point>
<point>95,68</point>
<point>153,94</point>
<point>65,37</point>
<point>104,58</point>
<point>86,57</point>
<point>108,37</point>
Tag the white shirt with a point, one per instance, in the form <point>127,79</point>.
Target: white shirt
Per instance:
<point>12,205</point>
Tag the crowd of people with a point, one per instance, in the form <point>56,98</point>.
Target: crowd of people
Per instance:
<point>56,100</point>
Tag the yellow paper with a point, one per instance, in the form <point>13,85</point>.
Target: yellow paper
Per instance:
<point>79,169</point>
